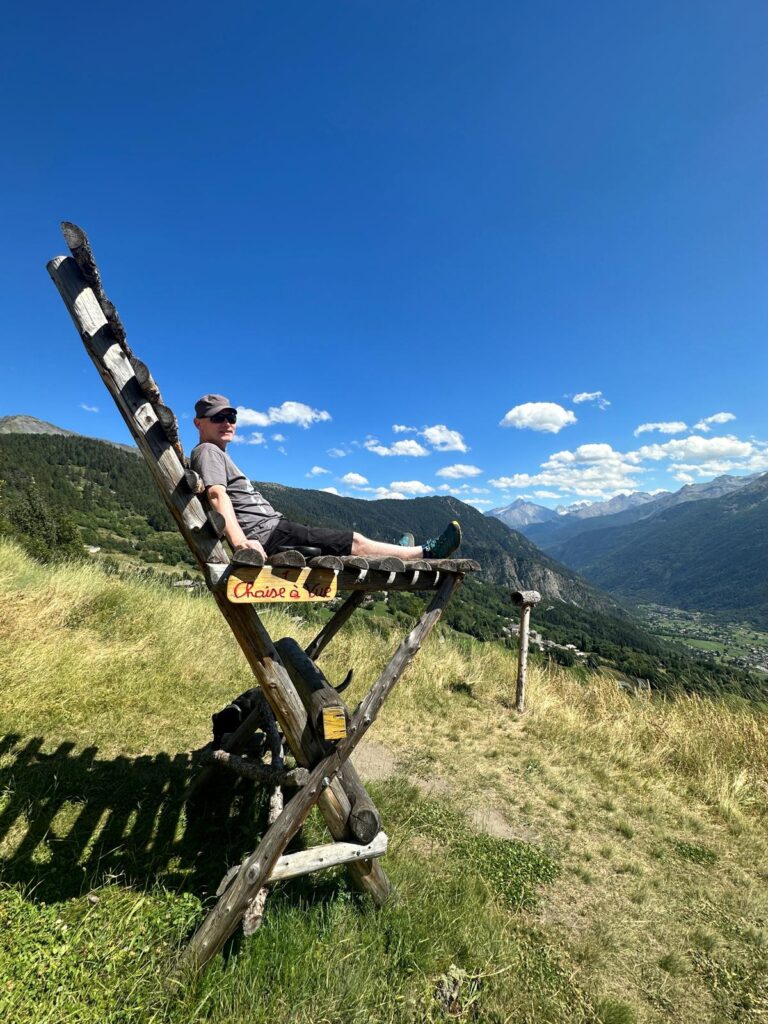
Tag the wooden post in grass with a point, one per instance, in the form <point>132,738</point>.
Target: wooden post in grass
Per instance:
<point>525,600</point>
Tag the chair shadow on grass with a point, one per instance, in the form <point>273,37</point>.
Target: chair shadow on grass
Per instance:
<point>71,821</point>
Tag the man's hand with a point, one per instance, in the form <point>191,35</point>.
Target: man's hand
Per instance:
<point>255,545</point>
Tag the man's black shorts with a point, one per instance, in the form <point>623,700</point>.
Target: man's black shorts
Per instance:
<point>295,535</point>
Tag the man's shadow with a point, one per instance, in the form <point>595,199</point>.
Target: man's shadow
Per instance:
<point>71,821</point>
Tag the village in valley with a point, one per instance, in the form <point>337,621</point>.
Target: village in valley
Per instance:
<point>731,643</point>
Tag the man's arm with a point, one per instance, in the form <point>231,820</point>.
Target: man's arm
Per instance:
<point>220,502</point>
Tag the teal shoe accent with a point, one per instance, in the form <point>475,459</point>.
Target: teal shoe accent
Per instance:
<point>444,545</point>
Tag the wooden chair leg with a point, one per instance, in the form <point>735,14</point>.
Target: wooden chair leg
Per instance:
<point>224,918</point>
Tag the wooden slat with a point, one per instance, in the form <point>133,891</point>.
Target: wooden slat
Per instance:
<point>372,581</point>
<point>326,562</point>
<point>255,770</point>
<point>453,564</point>
<point>387,564</point>
<point>287,559</point>
<point>319,858</point>
<point>248,556</point>
<point>194,481</point>
<point>354,562</point>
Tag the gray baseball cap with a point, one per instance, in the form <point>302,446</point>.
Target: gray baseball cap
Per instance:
<point>209,405</point>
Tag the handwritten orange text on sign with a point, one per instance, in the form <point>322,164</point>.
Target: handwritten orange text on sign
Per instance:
<point>270,585</point>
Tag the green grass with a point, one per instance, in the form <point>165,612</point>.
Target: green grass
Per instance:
<point>108,685</point>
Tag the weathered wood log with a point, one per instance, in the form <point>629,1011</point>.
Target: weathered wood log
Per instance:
<point>354,562</point>
<point>254,912</point>
<point>522,655</point>
<point>387,564</point>
<point>117,373</point>
<point>326,562</point>
<point>194,481</point>
<point>216,521</point>
<point>248,556</point>
<point>146,381</point>
<point>372,580</point>
<point>226,914</point>
<point>365,820</point>
<point>168,471</point>
<point>334,624</point>
<point>287,559</point>
<point>80,247</point>
<point>523,597</point>
<point>248,769</point>
<point>319,858</point>
<point>416,564</point>
<point>317,695</point>
<point>168,421</point>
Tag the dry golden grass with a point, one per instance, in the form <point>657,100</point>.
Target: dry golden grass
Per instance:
<point>656,810</point>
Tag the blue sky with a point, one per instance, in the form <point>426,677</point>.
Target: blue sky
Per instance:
<point>437,216</point>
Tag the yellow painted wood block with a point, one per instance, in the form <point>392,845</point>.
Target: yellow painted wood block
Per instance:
<point>334,724</point>
<point>270,585</point>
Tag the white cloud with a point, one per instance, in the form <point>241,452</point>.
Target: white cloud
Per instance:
<point>718,417</point>
<point>354,480</point>
<point>411,487</point>
<point>337,453</point>
<point>278,437</point>
<point>256,437</point>
<point>670,427</point>
<point>398,428</point>
<point>385,492</point>
<point>545,416</point>
<point>329,490</point>
<point>546,494</point>
<point>317,471</point>
<point>592,470</point>
<point>694,449</point>
<point>477,502</point>
<point>592,396</point>
<point>459,470</point>
<point>408,447</point>
<point>444,440</point>
<point>463,489</point>
<point>297,413</point>
<point>89,408</point>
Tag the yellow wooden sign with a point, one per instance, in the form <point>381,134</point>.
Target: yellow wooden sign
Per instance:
<point>334,724</point>
<point>270,585</point>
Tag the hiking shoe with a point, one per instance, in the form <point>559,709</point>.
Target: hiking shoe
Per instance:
<point>444,545</point>
<point>407,541</point>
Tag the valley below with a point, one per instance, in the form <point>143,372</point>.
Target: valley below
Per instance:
<point>737,644</point>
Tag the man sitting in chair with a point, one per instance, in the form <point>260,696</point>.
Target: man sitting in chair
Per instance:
<point>250,520</point>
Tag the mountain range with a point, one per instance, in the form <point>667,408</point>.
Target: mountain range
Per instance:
<point>56,484</point>
<point>116,505</point>
<point>709,554</point>
<point>549,529</point>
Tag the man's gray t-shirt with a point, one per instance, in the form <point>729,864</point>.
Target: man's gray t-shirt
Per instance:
<point>253,512</point>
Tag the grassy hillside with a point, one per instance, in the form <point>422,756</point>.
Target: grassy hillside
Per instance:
<point>59,486</point>
<point>600,859</point>
<point>115,504</point>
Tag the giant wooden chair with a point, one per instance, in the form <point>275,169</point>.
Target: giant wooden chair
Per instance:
<point>320,731</point>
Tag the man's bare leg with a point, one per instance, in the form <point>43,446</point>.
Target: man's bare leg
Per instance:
<point>378,549</point>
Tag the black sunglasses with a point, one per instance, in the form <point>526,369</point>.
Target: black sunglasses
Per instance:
<point>220,417</point>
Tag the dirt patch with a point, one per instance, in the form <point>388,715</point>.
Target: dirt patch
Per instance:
<point>374,761</point>
<point>488,819</point>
